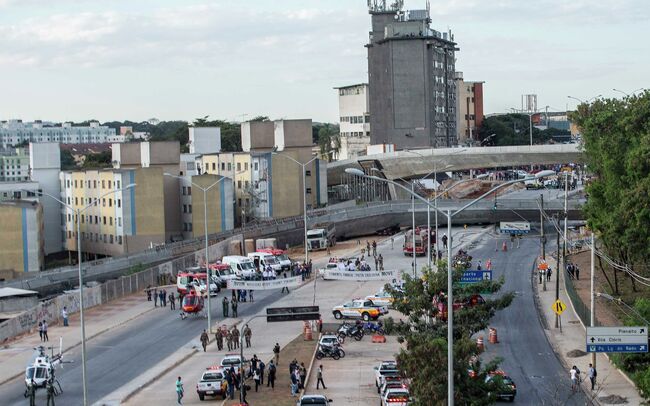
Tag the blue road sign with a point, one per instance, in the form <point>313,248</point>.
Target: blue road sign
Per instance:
<point>472,276</point>
<point>617,347</point>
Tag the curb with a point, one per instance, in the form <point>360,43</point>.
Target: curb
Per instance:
<point>311,364</point>
<point>87,339</point>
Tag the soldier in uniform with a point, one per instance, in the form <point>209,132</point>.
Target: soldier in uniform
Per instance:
<point>247,335</point>
<point>219,339</point>
<point>233,304</point>
<point>50,393</point>
<point>32,393</point>
<point>229,340</point>
<point>235,337</point>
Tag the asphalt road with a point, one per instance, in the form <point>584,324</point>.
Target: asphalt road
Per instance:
<point>119,356</point>
<point>527,355</point>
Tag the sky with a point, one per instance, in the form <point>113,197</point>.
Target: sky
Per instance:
<point>235,59</point>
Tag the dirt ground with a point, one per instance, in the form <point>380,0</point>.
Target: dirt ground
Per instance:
<point>299,349</point>
<point>607,313</point>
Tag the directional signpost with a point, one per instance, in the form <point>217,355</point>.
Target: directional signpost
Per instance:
<point>617,339</point>
<point>301,313</point>
<point>514,227</point>
<point>470,276</point>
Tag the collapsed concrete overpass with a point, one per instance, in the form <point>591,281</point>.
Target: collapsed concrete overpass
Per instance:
<point>417,163</point>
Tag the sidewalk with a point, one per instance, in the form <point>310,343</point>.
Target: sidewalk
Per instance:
<point>611,383</point>
<point>15,355</point>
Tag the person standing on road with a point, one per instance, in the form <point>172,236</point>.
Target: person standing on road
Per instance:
<point>233,304</point>
<point>218,336</point>
<point>294,385</point>
<point>155,298</point>
<point>204,339</point>
<point>45,337</point>
<point>225,306</point>
<point>235,337</point>
<point>256,378</point>
<point>319,375</point>
<point>376,264</point>
<point>392,242</point>
<point>575,378</point>
<point>302,371</point>
<point>50,392</point>
<point>172,301</point>
<point>229,340</point>
<point>32,393</point>
<point>40,330</point>
<point>374,248</point>
<point>592,373</point>
<point>381,262</point>
<point>276,355</point>
<point>549,272</point>
<point>179,391</point>
<point>64,314</point>
<point>247,335</point>
<point>148,290</point>
<point>444,241</point>
<point>164,298</point>
<point>231,383</point>
<point>250,295</point>
<point>271,379</point>
<point>261,367</point>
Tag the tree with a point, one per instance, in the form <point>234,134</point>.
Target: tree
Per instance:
<point>99,160</point>
<point>328,140</point>
<point>67,160</point>
<point>514,129</point>
<point>425,334</point>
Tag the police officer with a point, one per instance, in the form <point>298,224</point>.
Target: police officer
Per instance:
<point>235,337</point>
<point>229,340</point>
<point>233,304</point>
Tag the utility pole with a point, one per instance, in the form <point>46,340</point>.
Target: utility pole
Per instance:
<point>557,275</point>
<point>592,321</point>
<point>541,222</point>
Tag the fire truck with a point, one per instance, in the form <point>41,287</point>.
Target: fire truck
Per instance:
<point>421,239</point>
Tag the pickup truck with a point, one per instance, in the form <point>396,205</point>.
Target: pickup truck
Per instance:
<point>212,383</point>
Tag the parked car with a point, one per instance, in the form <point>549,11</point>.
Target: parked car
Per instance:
<point>508,389</point>
<point>313,400</point>
<point>396,397</point>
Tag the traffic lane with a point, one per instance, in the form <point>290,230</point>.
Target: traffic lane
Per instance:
<point>527,355</point>
<point>121,355</point>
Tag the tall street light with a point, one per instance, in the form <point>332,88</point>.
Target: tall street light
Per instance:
<point>304,193</point>
<point>205,229</point>
<point>448,213</point>
<point>628,94</point>
<point>78,213</point>
<point>588,100</point>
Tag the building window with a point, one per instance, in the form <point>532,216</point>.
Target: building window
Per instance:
<point>184,208</point>
<point>184,226</point>
<point>183,189</point>
<point>214,166</point>
<point>189,208</point>
<point>111,239</point>
<point>229,166</point>
<point>307,173</point>
<point>109,184</point>
<point>76,201</point>
<point>223,166</point>
<point>110,221</point>
<point>206,166</point>
<point>239,184</point>
<point>103,202</point>
<point>246,184</point>
<point>104,219</point>
<point>189,226</point>
<point>119,239</point>
<point>119,221</point>
<point>247,202</point>
<point>94,184</point>
<point>189,190</point>
<point>245,166</point>
<point>239,202</point>
<point>117,184</point>
<point>238,166</point>
<point>110,202</point>
<point>119,203</point>
<point>255,166</point>
<point>308,190</point>
<point>103,184</point>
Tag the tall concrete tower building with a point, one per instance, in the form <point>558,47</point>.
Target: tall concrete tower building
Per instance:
<point>411,79</point>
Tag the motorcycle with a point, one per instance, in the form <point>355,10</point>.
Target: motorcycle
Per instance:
<point>334,351</point>
<point>350,330</point>
<point>374,328</point>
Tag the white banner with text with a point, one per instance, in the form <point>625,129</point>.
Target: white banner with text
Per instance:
<point>333,274</point>
<point>264,285</point>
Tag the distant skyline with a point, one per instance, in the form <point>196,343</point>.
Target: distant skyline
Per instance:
<point>73,60</point>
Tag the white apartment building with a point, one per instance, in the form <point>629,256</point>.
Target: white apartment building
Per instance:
<point>14,165</point>
<point>14,132</point>
<point>354,120</point>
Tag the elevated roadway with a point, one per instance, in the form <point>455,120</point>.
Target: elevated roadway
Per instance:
<point>417,163</point>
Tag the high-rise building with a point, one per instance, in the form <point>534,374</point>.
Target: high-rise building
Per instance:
<point>411,79</point>
<point>470,109</point>
<point>45,166</point>
<point>354,121</point>
<point>15,132</point>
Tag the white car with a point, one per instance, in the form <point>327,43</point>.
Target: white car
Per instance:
<point>329,339</point>
<point>381,298</point>
<point>385,368</point>
<point>234,361</point>
<point>396,397</point>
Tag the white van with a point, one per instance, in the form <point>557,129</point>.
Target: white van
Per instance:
<point>243,267</point>
<point>263,259</point>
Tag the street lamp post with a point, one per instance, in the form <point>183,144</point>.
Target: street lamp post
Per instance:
<point>588,100</point>
<point>628,94</point>
<point>304,194</point>
<point>205,229</point>
<point>449,215</point>
<point>78,213</point>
